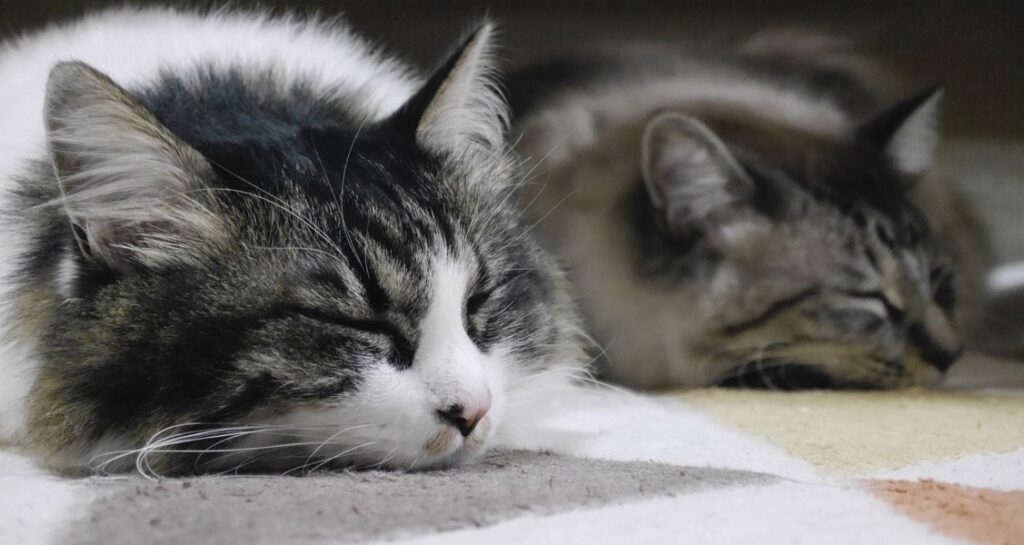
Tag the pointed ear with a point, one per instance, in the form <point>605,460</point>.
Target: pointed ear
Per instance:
<point>127,183</point>
<point>459,108</point>
<point>690,175</point>
<point>907,131</point>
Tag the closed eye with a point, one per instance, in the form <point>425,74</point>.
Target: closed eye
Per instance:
<point>773,310</point>
<point>477,323</point>
<point>404,348</point>
<point>856,320</point>
<point>480,298</point>
<point>476,301</point>
<point>895,313</point>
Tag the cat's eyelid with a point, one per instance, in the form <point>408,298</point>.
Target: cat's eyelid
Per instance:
<point>484,293</point>
<point>863,294</point>
<point>493,283</point>
<point>867,304</point>
<point>477,300</point>
<point>894,311</point>
<point>368,325</point>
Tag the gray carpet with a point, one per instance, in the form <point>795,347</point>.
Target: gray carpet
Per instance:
<point>360,506</point>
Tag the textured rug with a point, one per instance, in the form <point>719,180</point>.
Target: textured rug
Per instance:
<point>708,466</point>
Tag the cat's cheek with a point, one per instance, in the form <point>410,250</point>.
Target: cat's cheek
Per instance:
<point>398,410</point>
<point>496,367</point>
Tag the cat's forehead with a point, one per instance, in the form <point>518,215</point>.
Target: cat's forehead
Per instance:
<point>280,138</point>
<point>847,192</point>
<point>862,248</point>
<point>831,165</point>
<point>820,240</point>
<point>296,171</point>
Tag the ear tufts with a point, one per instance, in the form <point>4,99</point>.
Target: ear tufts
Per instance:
<point>690,174</point>
<point>460,108</point>
<point>127,183</point>
<point>908,131</point>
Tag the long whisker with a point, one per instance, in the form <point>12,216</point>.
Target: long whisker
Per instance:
<point>332,437</point>
<point>300,249</point>
<point>554,148</point>
<point>334,457</point>
<point>341,192</point>
<point>386,459</point>
<point>305,221</point>
<point>164,441</point>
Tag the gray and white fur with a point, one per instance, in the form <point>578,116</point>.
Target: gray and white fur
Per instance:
<point>756,215</point>
<point>236,242</point>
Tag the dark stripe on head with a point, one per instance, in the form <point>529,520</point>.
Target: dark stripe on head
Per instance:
<point>774,310</point>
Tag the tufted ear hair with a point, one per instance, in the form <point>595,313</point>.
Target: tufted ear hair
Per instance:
<point>690,175</point>
<point>907,131</point>
<point>459,109</point>
<point>128,185</point>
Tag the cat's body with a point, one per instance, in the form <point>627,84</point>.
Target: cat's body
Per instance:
<point>260,239</point>
<point>745,215</point>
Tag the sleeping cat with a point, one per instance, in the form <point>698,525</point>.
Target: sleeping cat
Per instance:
<point>758,216</point>
<point>234,241</point>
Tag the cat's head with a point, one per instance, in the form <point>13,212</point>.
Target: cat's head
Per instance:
<point>245,281</point>
<point>803,255</point>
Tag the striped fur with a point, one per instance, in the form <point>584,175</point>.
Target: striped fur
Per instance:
<point>750,215</point>
<point>231,261</point>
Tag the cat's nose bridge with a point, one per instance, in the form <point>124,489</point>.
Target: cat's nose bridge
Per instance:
<point>453,369</point>
<point>457,380</point>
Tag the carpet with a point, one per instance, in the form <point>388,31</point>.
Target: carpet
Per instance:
<point>703,466</point>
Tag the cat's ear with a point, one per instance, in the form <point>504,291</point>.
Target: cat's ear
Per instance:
<point>690,175</point>
<point>907,131</point>
<point>127,183</point>
<point>459,109</point>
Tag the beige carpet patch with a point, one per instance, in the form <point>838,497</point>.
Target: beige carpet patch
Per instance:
<point>858,432</point>
<point>980,515</point>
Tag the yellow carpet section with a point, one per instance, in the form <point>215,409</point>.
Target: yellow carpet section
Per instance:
<point>859,432</point>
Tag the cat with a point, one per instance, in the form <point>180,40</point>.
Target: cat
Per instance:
<point>241,242</point>
<point>758,215</point>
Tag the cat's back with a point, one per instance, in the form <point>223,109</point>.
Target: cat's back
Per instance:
<point>135,46</point>
<point>792,102</point>
<point>788,79</point>
<point>579,117</point>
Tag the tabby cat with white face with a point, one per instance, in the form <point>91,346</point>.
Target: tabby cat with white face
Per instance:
<point>747,218</point>
<point>236,242</point>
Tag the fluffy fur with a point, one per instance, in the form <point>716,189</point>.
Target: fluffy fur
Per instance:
<point>244,242</point>
<point>759,215</point>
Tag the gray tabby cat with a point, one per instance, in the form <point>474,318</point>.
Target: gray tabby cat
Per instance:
<point>239,242</point>
<point>760,216</point>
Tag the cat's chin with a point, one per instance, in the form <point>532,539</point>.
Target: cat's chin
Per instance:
<point>459,458</point>
<point>447,449</point>
<point>440,448</point>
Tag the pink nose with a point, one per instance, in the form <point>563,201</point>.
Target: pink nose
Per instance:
<point>466,417</point>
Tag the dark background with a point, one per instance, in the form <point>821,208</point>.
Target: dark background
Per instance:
<point>975,48</point>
